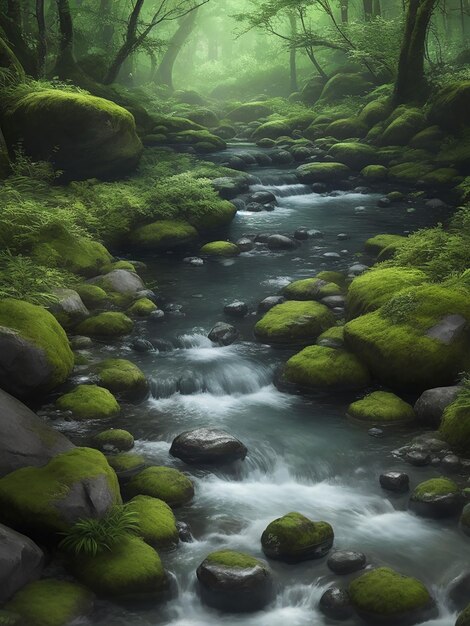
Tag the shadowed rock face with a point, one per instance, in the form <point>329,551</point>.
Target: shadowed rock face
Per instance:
<point>24,438</point>
<point>21,561</point>
<point>208,446</point>
<point>430,406</point>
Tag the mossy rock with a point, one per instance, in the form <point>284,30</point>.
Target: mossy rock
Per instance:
<point>51,602</point>
<point>155,520</point>
<point>220,248</point>
<point>295,538</point>
<point>375,245</point>
<point>126,464</point>
<point>108,324</point>
<point>43,501</point>
<point>84,136</point>
<point>345,84</point>
<point>375,111</point>
<point>330,276</point>
<point>449,107</point>
<point>118,265</point>
<point>322,172</point>
<point>371,290</point>
<point>114,438</point>
<point>164,483</point>
<point>93,297</point>
<point>375,172</point>
<point>8,618</point>
<point>294,322</point>
<point>455,424</point>
<point>131,569</point>
<point>310,289</point>
<point>409,172</point>
<point>123,378</point>
<point>326,368</point>
<point>204,117</point>
<point>35,355</point>
<point>164,235</point>
<point>464,617</point>
<point>401,343</point>
<point>382,408</point>
<point>383,596</point>
<point>332,338</point>
<point>443,176</point>
<point>250,112</point>
<point>142,307</point>
<point>437,497</point>
<point>430,138</point>
<point>405,123</point>
<point>89,402</point>
<point>272,130</point>
<point>346,128</point>
<point>353,154</point>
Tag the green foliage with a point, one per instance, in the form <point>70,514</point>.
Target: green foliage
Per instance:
<point>91,536</point>
<point>400,308</point>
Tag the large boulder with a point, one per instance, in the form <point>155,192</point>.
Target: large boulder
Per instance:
<point>345,84</point>
<point>119,281</point>
<point>21,561</point>
<point>84,136</point>
<point>69,309</point>
<point>437,497</point>
<point>107,324</point>
<point>208,446</point>
<point>25,440</point>
<point>164,235</point>
<point>322,172</point>
<point>402,125</point>
<point>35,355</point>
<point>432,403</point>
<point>354,154</point>
<point>250,112</point>
<point>449,107</point>
<point>235,582</point>
<point>47,500</point>
<point>294,322</point>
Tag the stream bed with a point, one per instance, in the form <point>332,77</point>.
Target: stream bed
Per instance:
<point>304,454</point>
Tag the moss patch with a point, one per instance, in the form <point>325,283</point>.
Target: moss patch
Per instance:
<point>455,424</point>
<point>164,483</point>
<point>93,297</point>
<point>142,307</point>
<point>156,521</point>
<point>404,125</point>
<point>375,172</point>
<point>125,461</point>
<point>382,407</point>
<point>164,235</point>
<point>310,289</point>
<point>375,245</point>
<point>108,324</point>
<point>344,129</point>
<point>232,559</point>
<point>123,378</point>
<point>322,172</point>
<point>115,437</point>
<point>295,537</point>
<point>272,130</point>
<point>89,402</point>
<point>294,322</point>
<point>220,248</point>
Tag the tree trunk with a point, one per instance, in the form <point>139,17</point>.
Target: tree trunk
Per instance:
<point>128,46</point>
<point>65,64</point>
<point>344,11</point>
<point>11,24</point>
<point>9,60</point>
<point>42,37</point>
<point>368,9</point>
<point>376,8</point>
<point>411,81</point>
<point>106,29</point>
<point>293,54</point>
<point>164,74</point>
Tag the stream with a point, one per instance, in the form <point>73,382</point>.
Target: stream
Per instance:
<point>304,454</point>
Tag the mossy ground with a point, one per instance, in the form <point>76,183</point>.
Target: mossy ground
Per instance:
<point>156,521</point>
<point>382,407</point>
<point>294,322</point>
<point>164,483</point>
<point>89,402</point>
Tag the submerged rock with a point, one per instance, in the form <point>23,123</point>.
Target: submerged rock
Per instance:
<point>346,561</point>
<point>208,446</point>
<point>223,334</point>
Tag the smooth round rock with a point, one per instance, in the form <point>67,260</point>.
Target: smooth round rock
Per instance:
<point>346,562</point>
<point>418,458</point>
<point>263,197</point>
<point>195,261</point>
<point>459,591</point>
<point>375,432</point>
<point>398,482</point>
<point>384,202</point>
<point>450,463</point>
<point>223,334</point>
<point>280,242</point>
<point>156,316</point>
<point>436,498</point>
<point>269,303</point>
<point>254,207</point>
<point>245,244</point>
<point>301,234</point>
<point>236,309</point>
<point>184,532</point>
<point>208,446</point>
<point>142,345</point>
<point>335,604</point>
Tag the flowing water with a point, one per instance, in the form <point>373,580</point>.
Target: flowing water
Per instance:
<point>304,455</point>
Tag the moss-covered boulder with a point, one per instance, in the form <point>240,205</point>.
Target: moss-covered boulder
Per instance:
<point>437,497</point>
<point>42,501</point>
<point>114,439</point>
<point>131,569</point>
<point>455,424</point>
<point>201,140</point>
<point>374,173</point>
<point>419,339</point>
<point>250,112</point>
<point>429,138</point>
<point>464,617</point>
<point>123,378</point>
<point>155,521</point>
<point>295,538</point>
<point>353,154</point>
<point>323,367</point>
<point>409,172</point>
<point>272,130</point>
<point>108,324</point>
<point>235,582</point>
<point>118,265</point>
<point>294,322</point>
<point>449,107</point>
<point>382,408</point>
<point>383,596</point>
<point>375,111</point>
<point>126,464</point>
<point>346,128</point>
<point>220,248</point>
<point>51,602</point>
<point>442,176</point>
<point>371,290</point>
<point>322,172</point>
<point>35,355</point>
<point>93,297</point>
<point>310,289</point>
<point>164,483</point>
<point>375,245</point>
<point>345,84</point>
<point>143,307</point>
<point>84,136</point>
<point>164,235</point>
<point>405,123</point>
<point>332,338</point>
<point>89,402</point>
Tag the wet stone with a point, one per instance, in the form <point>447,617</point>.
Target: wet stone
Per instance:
<point>384,202</point>
<point>357,269</point>
<point>375,432</point>
<point>398,482</point>
<point>208,446</point>
<point>335,604</point>
<point>184,532</point>
<point>319,187</point>
<point>223,334</point>
<point>156,317</point>
<point>346,561</point>
<point>343,237</point>
<point>254,207</point>
<point>301,234</point>
<point>245,244</point>
<point>236,309</point>
<point>263,197</point>
<point>280,242</point>
<point>270,302</point>
<point>142,345</point>
<point>418,458</point>
<point>194,261</point>
<point>450,463</point>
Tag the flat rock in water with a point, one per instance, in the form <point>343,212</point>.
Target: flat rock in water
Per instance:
<point>208,446</point>
<point>236,309</point>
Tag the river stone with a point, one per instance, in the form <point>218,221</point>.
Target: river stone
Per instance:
<point>431,404</point>
<point>465,520</point>
<point>436,498</point>
<point>301,234</point>
<point>459,591</point>
<point>263,197</point>
<point>335,604</point>
<point>281,157</point>
<point>268,303</point>
<point>450,463</point>
<point>184,532</point>
<point>255,207</point>
<point>69,308</point>
<point>294,538</point>
<point>142,345</point>
<point>208,445</point>
<point>235,582</point>
<point>223,334</point>
<point>25,440</point>
<point>398,482</point>
<point>120,281</point>
<point>21,561</point>
<point>156,316</point>
<point>357,269</point>
<point>80,342</point>
<point>230,187</point>
<point>334,302</point>
<point>346,562</point>
<point>236,309</point>
<point>245,244</point>
<point>280,242</point>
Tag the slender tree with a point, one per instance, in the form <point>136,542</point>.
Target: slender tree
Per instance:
<point>293,53</point>
<point>42,36</point>
<point>164,74</point>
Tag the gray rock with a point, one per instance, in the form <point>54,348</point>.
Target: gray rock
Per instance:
<point>459,591</point>
<point>375,432</point>
<point>208,446</point>
<point>334,301</point>
<point>184,532</point>
<point>398,482</point>
<point>121,281</point>
<point>239,204</point>
<point>430,406</point>
<point>21,562</point>
<point>343,237</point>
<point>435,203</point>
<point>223,334</point>
<point>450,463</point>
<point>270,302</point>
<point>263,197</point>
<point>24,438</point>
<point>156,316</point>
<point>331,255</point>
<point>418,458</point>
<point>254,207</point>
<point>236,309</point>
<point>280,242</point>
<point>245,244</point>
<point>319,187</point>
<point>69,307</point>
<point>281,156</point>
<point>142,345</point>
<point>335,604</point>
<point>448,330</point>
<point>384,202</point>
<point>301,234</point>
<point>346,561</point>
<point>79,342</point>
<point>357,269</point>
<point>195,261</point>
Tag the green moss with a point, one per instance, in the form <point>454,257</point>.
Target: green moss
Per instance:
<point>164,483</point>
<point>118,265</point>
<point>344,84</point>
<point>428,139</point>
<point>374,172</point>
<point>319,366</point>
<point>93,296</point>
<point>442,176</point>
<point>156,521</point>
<point>220,248</point>
<point>409,173</point>
<point>344,129</point>
<point>40,328</point>
<point>89,402</point>
<point>404,124</point>
<point>125,461</point>
<point>7,618</point>
<point>449,107</point>
<point>338,278</point>
<point>371,290</point>
<point>321,172</point>
<point>272,130</point>
<point>294,322</point>
<point>108,324</point>
<point>375,111</point>
<point>434,487</point>
<point>142,307</point>
<point>455,424</point>
<point>250,112</point>
<point>30,497</point>
<point>294,535</point>
<point>115,437</point>
<point>353,154</point>
<point>335,334</point>
<point>464,617</point>
<point>195,137</point>
<point>232,559</point>
<point>204,117</point>
<point>131,568</point>
<point>51,602</point>
<point>122,377</point>
<point>310,289</point>
<point>164,235</point>
<point>383,408</point>
<point>385,593</point>
<point>375,245</point>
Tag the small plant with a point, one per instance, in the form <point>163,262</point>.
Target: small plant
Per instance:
<point>398,309</point>
<point>92,536</point>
